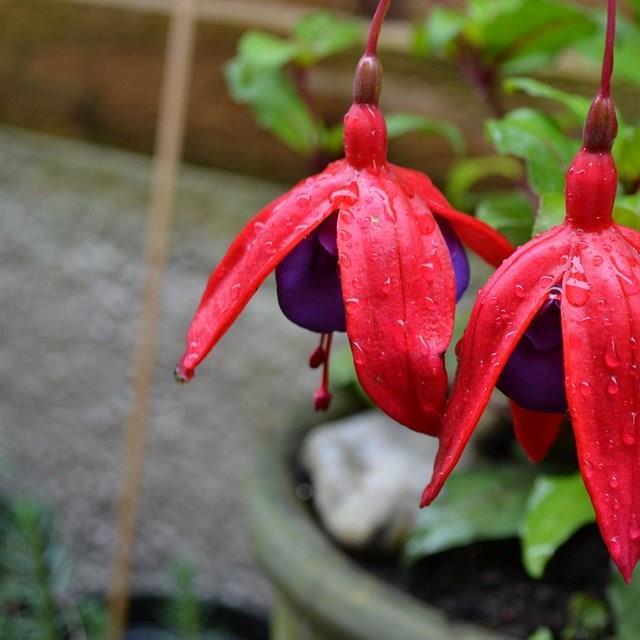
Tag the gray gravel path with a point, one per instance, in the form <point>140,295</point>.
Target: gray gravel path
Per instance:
<point>71,232</point>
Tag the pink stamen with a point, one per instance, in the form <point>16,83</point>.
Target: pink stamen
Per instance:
<point>322,396</point>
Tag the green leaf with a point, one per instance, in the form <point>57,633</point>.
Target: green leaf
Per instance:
<point>276,105</point>
<point>469,171</point>
<point>532,28</point>
<point>322,34</point>
<point>477,504</point>
<point>578,105</point>
<point>557,507</point>
<point>400,123</point>
<point>331,138</point>
<point>510,213</point>
<point>551,212</point>
<point>541,634</point>
<point>624,600</point>
<point>538,140</point>
<point>627,211</point>
<point>587,618</point>
<point>441,28</point>
<point>262,51</point>
<point>627,153</point>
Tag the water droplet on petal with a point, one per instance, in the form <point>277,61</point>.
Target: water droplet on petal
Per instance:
<point>613,386</point>
<point>520,291</point>
<point>386,286</point>
<point>269,248</point>
<point>303,201</point>
<point>597,261</point>
<point>545,281</point>
<point>235,291</point>
<point>611,355</point>
<point>577,289</point>
<point>348,195</point>
<point>585,388</point>
<point>614,481</point>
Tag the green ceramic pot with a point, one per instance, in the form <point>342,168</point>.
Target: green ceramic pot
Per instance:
<point>320,593</point>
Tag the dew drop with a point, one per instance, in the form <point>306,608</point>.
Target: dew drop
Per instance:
<point>269,248</point>
<point>235,291</point>
<point>386,286</point>
<point>597,261</point>
<point>545,281</point>
<point>611,358</point>
<point>613,386</point>
<point>303,201</point>
<point>346,217</point>
<point>431,303</point>
<point>426,223</point>
<point>520,291</point>
<point>345,196</point>
<point>614,482</point>
<point>577,288</point>
<point>585,388</point>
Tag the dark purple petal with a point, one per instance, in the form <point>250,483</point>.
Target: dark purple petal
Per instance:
<point>458,257</point>
<point>308,282</point>
<point>534,374</point>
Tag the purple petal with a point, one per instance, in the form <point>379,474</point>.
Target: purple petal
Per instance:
<point>534,374</point>
<point>308,279</point>
<point>458,258</point>
<point>308,282</point>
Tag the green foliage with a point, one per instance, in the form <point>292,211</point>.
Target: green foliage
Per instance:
<point>477,504</point>
<point>587,618</point>
<point>624,605</point>
<point>511,35</point>
<point>510,212</point>
<point>399,124</point>
<point>541,634</point>
<point>550,213</point>
<point>259,76</point>
<point>539,141</point>
<point>557,507</point>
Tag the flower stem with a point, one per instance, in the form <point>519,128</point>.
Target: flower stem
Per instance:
<point>607,61</point>
<point>374,29</point>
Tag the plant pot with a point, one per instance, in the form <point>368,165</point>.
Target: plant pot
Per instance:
<point>320,593</point>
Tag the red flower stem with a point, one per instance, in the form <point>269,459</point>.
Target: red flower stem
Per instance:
<point>376,25</point>
<point>607,62</point>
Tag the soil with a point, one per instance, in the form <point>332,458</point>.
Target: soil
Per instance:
<point>486,584</point>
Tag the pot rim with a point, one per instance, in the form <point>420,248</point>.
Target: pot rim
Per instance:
<point>312,574</point>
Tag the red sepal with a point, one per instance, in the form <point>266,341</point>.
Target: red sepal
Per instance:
<point>399,293</point>
<point>601,334</point>
<point>535,431</point>
<point>255,253</point>
<point>503,310</point>
<point>480,237</point>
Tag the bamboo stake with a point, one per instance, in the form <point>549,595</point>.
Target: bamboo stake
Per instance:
<point>169,137</point>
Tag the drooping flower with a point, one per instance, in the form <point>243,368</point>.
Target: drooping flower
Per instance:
<point>364,246</point>
<point>587,272</point>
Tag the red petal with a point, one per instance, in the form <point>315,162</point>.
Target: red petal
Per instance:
<point>504,308</point>
<point>255,252</point>
<point>480,237</point>
<point>399,291</point>
<point>601,328</point>
<point>535,431</point>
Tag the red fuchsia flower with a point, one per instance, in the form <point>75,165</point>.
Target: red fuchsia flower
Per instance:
<point>364,246</point>
<point>574,291</point>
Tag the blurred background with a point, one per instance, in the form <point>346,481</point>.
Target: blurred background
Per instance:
<point>79,93</point>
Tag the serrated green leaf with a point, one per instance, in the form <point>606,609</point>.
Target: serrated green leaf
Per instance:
<point>551,212</point>
<point>477,504</point>
<point>624,599</point>
<point>470,171</point>
<point>557,507</point>
<point>578,105</point>
<point>509,213</point>
<point>401,123</point>
<point>322,34</point>
<point>538,140</point>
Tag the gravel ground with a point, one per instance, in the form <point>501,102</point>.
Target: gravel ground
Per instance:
<point>71,234</point>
